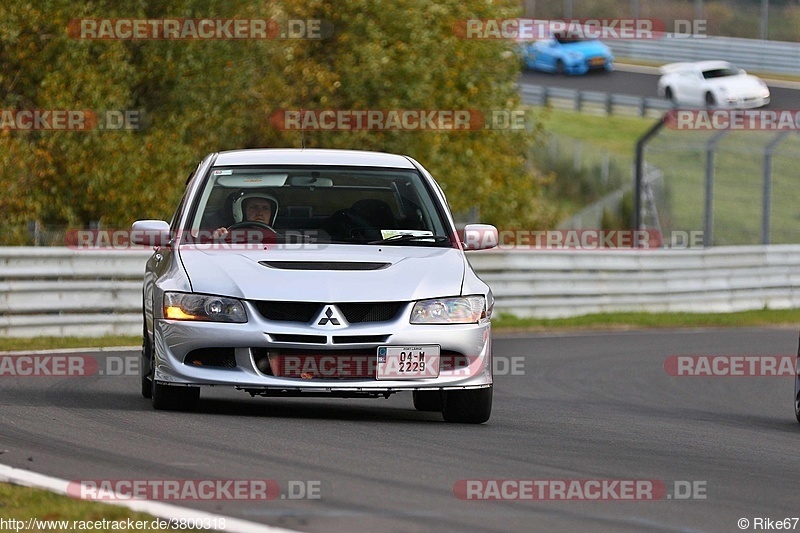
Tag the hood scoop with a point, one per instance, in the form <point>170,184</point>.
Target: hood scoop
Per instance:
<point>325,265</point>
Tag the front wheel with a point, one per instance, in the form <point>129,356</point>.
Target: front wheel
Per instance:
<point>146,366</point>
<point>796,397</point>
<point>560,67</point>
<point>710,100</point>
<point>471,406</point>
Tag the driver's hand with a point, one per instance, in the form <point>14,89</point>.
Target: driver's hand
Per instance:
<point>220,232</point>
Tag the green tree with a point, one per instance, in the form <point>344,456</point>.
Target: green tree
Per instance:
<point>203,96</point>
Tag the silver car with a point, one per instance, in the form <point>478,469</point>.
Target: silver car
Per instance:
<point>309,273</point>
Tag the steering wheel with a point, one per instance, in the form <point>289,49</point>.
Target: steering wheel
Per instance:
<point>268,235</point>
<point>250,224</point>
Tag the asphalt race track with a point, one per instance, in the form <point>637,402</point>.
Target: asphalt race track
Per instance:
<point>582,407</point>
<point>643,84</point>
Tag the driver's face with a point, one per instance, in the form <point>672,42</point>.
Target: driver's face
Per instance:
<point>258,210</point>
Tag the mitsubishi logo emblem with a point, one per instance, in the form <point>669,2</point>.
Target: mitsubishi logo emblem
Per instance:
<point>328,318</point>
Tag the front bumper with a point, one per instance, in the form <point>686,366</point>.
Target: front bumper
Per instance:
<point>174,340</point>
<point>752,102</point>
<point>592,63</point>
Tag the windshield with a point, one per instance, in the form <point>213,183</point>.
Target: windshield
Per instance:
<point>369,206</point>
<point>570,37</point>
<point>720,72</point>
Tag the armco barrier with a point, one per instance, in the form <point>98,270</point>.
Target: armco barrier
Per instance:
<point>594,102</point>
<point>64,292</point>
<point>750,54</point>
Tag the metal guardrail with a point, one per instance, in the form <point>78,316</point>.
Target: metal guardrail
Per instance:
<point>594,101</point>
<point>63,292</point>
<point>749,54</point>
<point>555,283</point>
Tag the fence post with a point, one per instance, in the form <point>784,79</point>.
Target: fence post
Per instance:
<point>638,173</point>
<point>766,203</point>
<point>708,217</point>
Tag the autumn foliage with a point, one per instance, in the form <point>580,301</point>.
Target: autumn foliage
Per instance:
<point>193,97</point>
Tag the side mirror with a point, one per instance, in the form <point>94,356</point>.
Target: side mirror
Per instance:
<point>480,237</point>
<point>150,233</point>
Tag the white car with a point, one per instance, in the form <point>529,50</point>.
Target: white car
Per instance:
<point>712,84</point>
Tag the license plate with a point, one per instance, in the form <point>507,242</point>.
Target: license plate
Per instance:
<point>597,61</point>
<point>408,362</point>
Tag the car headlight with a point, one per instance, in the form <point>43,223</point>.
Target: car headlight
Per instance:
<point>201,307</point>
<point>459,310</point>
<point>575,56</point>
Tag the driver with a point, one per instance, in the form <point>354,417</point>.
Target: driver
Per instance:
<point>252,207</point>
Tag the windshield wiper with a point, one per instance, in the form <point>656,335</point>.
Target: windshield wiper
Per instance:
<point>405,237</point>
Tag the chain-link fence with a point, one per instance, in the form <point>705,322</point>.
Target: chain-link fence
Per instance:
<point>776,20</point>
<point>737,187</point>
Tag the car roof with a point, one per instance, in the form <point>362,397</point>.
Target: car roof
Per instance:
<point>712,65</point>
<point>312,156</point>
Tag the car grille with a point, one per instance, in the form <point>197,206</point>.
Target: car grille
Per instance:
<point>354,313</point>
<point>370,312</point>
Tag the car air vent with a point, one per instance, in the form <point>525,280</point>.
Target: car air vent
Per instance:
<point>213,357</point>
<point>307,339</point>
<point>359,339</point>
<point>325,265</point>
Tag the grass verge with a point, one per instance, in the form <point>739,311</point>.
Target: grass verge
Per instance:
<point>757,318</point>
<point>25,503</point>
<point>50,343</point>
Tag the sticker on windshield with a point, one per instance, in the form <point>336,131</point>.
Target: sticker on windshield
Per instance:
<point>223,172</point>
<point>387,233</point>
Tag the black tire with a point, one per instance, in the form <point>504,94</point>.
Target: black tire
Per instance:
<point>471,406</point>
<point>175,397</point>
<point>710,100</point>
<point>668,95</point>
<point>559,67</point>
<point>146,365</point>
<point>428,400</point>
<point>797,405</point>
<point>796,393</point>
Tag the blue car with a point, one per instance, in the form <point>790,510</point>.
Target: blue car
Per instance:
<point>567,55</point>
